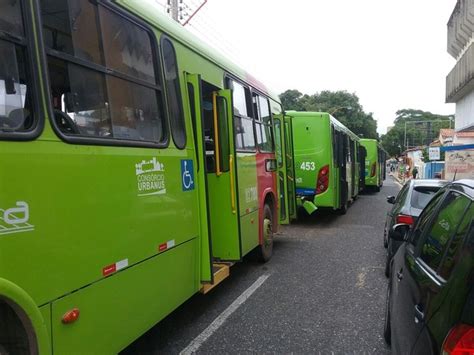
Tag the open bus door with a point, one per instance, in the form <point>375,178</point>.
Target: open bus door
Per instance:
<point>362,158</point>
<point>194,95</point>
<point>286,171</point>
<point>211,110</point>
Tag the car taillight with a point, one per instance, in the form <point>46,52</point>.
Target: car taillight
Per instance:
<point>402,218</point>
<point>322,183</point>
<point>460,341</point>
<point>372,169</point>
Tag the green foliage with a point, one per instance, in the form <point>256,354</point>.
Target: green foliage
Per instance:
<point>417,133</point>
<point>341,104</point>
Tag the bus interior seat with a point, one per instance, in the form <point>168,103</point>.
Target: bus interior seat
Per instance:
<point>18,119</point>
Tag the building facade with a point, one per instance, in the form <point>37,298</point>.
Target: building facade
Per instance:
<point>460,89</point>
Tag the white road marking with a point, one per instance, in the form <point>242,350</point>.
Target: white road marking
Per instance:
<point>201,338</point>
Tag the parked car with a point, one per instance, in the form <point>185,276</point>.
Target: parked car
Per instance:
<point>407,206</point>
<point>430,295</point>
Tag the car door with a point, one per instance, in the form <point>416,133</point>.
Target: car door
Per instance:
<point>415,279</point>
<point>445,307</point>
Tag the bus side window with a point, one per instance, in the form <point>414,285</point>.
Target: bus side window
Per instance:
<point>223,127</point>
<point>16,114</point>
<point>263,126</point>
<point>178,128</point>
<point>243,122</point>
<point>108,91</point>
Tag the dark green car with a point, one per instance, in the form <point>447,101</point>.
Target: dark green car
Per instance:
<point>430,297</point>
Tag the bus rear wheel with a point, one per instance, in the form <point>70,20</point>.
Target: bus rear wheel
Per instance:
<point>266,248</point>
<point>14,337</point>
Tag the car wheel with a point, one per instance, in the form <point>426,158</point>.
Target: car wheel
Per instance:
<point>387,330</point>
<point>387,265</point>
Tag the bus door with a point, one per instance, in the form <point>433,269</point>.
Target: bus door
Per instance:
<point>215,176</point>
<point>290,166</point>
<point>343,187</point>
<point>362,157</point>
<point>353,168</point>
<point>284,156</point>
<point>222,180</point>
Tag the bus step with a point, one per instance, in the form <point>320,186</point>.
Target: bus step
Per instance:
<point>221,272</point>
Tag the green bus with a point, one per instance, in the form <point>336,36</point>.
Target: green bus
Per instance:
<point>375,172</point>
<point>137,167</point>
<point>327,161</point>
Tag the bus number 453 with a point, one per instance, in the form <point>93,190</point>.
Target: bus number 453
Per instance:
<point>308,165</point>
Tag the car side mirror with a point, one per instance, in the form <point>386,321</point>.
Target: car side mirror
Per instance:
<point>399,232</point>
<point>391,199</point>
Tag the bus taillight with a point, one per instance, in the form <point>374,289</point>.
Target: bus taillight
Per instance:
<point>373,169</point>
<point>323,180</point>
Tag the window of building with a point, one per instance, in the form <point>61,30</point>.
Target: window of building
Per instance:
<point>178,128</point>
<point>103,82</point>
<point>16,97</point>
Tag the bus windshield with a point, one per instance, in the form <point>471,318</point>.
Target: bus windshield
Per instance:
<point>14,102</point>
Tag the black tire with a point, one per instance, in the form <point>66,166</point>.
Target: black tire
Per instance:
<point>377,188</point>
<point>387,329</point>
<point>266,248</point>
<point>343,209</point>
<point>387,266</point>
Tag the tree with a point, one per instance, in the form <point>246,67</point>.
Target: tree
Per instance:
<point>342,104</point>
<point>422,127</point>
<point>290,100</point>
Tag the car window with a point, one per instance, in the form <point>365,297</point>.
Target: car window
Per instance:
<point>443,227</point>
<point>452,250</point>
<point>424,218</point>
<point>401,197</point>
<point>402,193</point>
<point>421,195</point>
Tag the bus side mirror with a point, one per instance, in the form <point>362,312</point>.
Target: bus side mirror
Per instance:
<point>399,232</point>
<point>391,199</point>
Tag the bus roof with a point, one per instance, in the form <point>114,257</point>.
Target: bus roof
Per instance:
<point>333,120</point>
<point>371,142</point>
<point>151,11</point>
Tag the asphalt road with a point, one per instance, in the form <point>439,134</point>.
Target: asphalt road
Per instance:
<point>325,293</point>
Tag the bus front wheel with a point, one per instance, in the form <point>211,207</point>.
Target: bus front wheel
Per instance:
<point>266,248</point>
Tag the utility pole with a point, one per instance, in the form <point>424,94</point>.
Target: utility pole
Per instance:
<point>178,10</point>
<point>174,9</point>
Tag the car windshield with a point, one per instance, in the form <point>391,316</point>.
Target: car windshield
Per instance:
<point>421,195</point>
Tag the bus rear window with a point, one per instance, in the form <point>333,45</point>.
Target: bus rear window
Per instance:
<point>15,100</point>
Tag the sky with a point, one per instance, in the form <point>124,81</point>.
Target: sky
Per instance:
<point>390,53</point>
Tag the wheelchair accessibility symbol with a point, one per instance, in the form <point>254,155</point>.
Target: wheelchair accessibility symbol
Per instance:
<point>187,175</point>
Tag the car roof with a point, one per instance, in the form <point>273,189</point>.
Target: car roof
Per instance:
<point>467,186</point>
<point>428,182</point>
